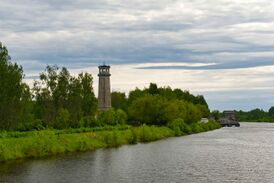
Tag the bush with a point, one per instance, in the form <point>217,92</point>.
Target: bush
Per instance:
<point>62,119</point>
<point>121,116</point>
<point>34,125</point>
<point>89,121</point>
<point>197,127</point>
<point>180,127</point>
<point>112,117</point>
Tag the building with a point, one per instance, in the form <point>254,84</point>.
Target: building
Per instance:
<point>229,119</point>
<point>230,115</point>
<point>104,95</point>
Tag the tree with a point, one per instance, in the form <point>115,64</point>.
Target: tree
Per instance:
<point>118,100</point>
<point>58,90</point>
<point>112,117</point>
<point>216,114</point>
<point>257,114</point>
<point>271,111</point>
<point>14,94</point>
<point>135,94</point>
<point>148,110</point>
<point>89,101</point>
<point>153,89</point>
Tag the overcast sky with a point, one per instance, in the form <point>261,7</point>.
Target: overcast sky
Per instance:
<point>222,49</point>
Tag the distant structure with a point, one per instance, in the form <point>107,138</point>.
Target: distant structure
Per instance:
<point>204,120</point>
<point>230,115</point>
<point>104,95</point>
<point>229,119</point>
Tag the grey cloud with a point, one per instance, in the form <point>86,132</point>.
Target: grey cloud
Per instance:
<point>82,33</point>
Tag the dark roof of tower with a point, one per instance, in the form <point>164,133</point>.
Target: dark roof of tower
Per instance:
<point>104,66</point>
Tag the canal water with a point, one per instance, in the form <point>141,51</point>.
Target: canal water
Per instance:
<point>244,154</point>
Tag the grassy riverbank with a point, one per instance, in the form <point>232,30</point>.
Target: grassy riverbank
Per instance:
<point>18,145</point>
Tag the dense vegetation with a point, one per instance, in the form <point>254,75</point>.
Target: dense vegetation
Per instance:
<point>256,115</point>
<point>59,113</point>
<point>17,145</point>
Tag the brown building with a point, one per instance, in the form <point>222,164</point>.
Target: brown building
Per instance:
<point>104,95</point>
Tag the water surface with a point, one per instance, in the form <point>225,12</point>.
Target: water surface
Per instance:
<point>244,154</point>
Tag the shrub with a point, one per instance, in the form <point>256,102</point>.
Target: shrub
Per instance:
<point>112,117</point>
<point>34,125</point>
<point>180,127</point>
<point>62,119</point>
<point>121,116</point>
<point>89,121</point>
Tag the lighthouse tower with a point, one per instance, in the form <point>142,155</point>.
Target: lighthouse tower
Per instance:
<point>104,95</point>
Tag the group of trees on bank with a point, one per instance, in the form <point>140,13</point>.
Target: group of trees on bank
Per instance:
<point>56,100</point>
<point>160,106</point>
<point>256,115</point>
<point>60,100</point>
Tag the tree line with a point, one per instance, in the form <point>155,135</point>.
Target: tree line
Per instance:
<point>59,100</point>
<point>255,115</point>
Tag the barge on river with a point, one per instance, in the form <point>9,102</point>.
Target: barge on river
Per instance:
<point>229,119</point>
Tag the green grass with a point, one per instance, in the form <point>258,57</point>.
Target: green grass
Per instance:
<point>33,144</point>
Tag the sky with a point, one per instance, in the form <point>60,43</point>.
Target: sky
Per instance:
<point>222,49</point>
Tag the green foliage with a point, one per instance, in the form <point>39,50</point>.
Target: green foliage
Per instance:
<point>148,110</point>
<point>181,128</point>
<point>62,119</point>
<point>216,115</point>
<point>256,115</point>
<point>14,94</point>
<point>167,93</point>
<point>58,90</point>
<point>153,89</point>
<point>112,117</point>
<point>121,116</point>
<point>107,117</point>
<point>17,145</point>
<point>135,94</point>
<point>31,125</point>
<point>271,111</point>
<point>48,142</point>
<point>89,121</point>
<point>118,100</point>
<point>157,110</point>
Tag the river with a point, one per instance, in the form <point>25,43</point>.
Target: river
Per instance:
<point>244,154</point>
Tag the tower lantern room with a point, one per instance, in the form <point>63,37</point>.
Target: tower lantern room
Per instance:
<point>104,70</point>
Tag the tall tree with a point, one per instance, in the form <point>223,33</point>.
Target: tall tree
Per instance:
<point>58,94</point>
<point>271,111</point>
<point>12,91</point>
<point>118,100</point>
